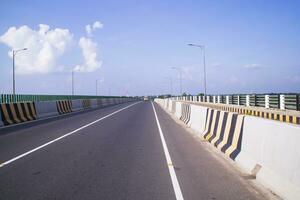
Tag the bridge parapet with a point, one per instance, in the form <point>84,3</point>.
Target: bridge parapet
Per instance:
<point>289,101</point>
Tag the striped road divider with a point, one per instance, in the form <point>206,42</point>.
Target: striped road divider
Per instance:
<point>64,106</point>
<point>224,130</point>
<point>86,104</point>
<point>272,115</point>
<point>185,113</point>
<point>13,113</point>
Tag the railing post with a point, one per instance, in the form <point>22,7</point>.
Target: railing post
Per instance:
<point>247,100</point>
<point>267,101</point>
<point>214,99</point>
<point>227,99</point>
<point>207,99</point>
<point>238,100</point>
<point>282,102</point>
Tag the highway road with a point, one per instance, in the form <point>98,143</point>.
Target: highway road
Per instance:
<point>128,151</point>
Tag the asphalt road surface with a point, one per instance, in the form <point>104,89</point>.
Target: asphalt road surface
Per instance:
<point>128,151</point>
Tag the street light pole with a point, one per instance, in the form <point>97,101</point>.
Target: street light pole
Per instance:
<point>180,77</point>
<point>13,62</point>
<point>97,87</point>
<point>171,85</point>
<point>72,81</point>
<point>204,64</point>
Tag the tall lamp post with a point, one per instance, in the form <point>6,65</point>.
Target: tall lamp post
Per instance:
<point>97,87</point>
<point>171,85</point>
<point>14,76</point>
<point>180,77</point>
<point>72,81</point>
<point>204,67</point>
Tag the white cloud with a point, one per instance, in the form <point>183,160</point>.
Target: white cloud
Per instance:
<point>44,45</point>
<point>97,24</point>
<point>89,50</point>
<point>90,55</point>
<point>90,28</point>
<point>252,66</point>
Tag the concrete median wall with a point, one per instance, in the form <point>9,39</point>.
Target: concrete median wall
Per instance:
<point>77,105</point>
<point>46,109</point>
<point>14,113</point>
<point>264,148</point>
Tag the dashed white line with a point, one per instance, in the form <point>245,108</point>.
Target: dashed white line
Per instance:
<point>63,136</point>
<point>174,179</point>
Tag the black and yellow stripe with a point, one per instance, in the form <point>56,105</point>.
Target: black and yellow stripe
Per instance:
<point>272,115</point>
<point>224,130</point>
<point>86,104</point>
<point>13,113</point>
<point>64,106</point>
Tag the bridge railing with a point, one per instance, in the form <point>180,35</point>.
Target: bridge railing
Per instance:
<point>9,98</point>
<point>275,101</point>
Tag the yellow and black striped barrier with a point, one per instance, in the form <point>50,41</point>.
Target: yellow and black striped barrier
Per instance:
<point>13,113</point>
<point>64,106</point>
<point>264,114</point>
<point>224,130</point>
<point>86,104</point>
<point>283,116</point>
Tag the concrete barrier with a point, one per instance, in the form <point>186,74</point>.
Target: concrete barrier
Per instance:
<point>1,120</point>
<point>77,105</point>
<point>94,103</point>
<point>46,109</point>
<point>262,147</point>
<point>178,110</point>
<point>13,113</point>
<point>273,147</point>
<point>86,104</point>
<point>198,118</point>
<point>185,113</point>
<point>64,106</point>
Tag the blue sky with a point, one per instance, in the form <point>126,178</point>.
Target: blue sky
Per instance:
<point>251,46</point>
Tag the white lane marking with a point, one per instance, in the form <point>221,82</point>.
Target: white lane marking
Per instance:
<point>63,136</point>
<point>174,179</point>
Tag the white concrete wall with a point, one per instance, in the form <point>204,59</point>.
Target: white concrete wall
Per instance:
<point>178,110</point>
<point>170,106</point>
<point>94,103</point>
<point>76,105</point>
<point>198,118</point>
<point>275,146</point>
<point>45,109</point>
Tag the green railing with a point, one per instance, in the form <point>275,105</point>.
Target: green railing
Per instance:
<point>9,98</point>
<point>288,101</point>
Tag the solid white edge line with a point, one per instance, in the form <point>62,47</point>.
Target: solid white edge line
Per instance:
<point>63,136</point>
<point>174,179</point>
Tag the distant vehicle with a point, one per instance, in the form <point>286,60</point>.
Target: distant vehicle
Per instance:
<point>146,98</point>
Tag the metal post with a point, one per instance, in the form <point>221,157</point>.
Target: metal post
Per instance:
<point>72,81</point>
<point>202,47</point>
<point>14,85</point>
<point>96,87</point>
<point>204,69</point>
<point>14,76</point>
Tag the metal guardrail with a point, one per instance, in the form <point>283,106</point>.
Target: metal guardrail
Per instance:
<point>9,98</point>
<point>274,101</point>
